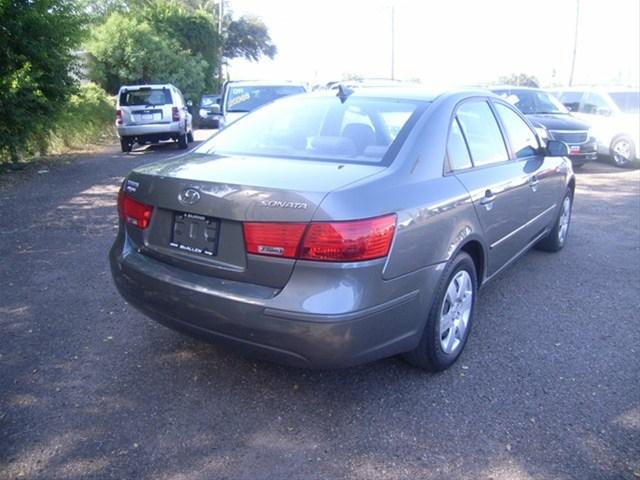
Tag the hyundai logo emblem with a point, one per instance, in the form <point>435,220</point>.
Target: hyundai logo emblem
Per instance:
<point>189,196</point>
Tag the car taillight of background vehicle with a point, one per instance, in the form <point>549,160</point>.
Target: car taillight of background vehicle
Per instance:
<point>118,117</point>
<point>175,114</point>
<point>348,241</point>
<point>133,212</point>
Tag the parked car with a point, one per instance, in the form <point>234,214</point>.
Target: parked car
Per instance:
<point>553,120</point>
<point>242,97</point>
<point>614,116</point>
<point>313,233</point>
<point>209,111</point>
<point>152,113</point>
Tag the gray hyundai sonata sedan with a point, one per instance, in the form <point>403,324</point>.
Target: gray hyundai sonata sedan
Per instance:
<point>330,230</point>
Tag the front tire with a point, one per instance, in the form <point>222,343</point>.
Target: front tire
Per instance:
<point>449,321</point>
<point>622,152</point>
<point>190,136</point>
<point>557,237</point>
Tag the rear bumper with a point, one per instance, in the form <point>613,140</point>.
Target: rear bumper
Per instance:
<point>150,129</point>
<point>583,152</point>
<point>210,121</point>
<point>255,319</point>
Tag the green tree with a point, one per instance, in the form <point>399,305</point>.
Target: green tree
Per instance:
<point>194,31</point>
<point>520,80</point>
<point>38,38</point>
<point>127,50</point>
<point>247,37</point>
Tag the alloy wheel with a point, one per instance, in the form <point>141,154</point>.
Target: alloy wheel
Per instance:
<point>455,312</point>
<point>565,217</point>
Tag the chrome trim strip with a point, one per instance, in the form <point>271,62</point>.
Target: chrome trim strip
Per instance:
<point>516,256</point>
<point>506,237</point>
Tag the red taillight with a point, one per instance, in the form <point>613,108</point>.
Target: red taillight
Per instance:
<point>175,114</point>
<point>323,241</point>
<point>278,239</point>
<point>119,117</point>
<point>349,241</point>
<point>133,212</point>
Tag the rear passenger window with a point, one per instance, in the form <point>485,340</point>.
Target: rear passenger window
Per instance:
<point>457,152</point>
<point>482,133</point>
<point>523,140</point>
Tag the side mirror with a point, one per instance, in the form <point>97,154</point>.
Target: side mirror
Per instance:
<point>215,108</point>
<point>556,148</point>
<point>605,112</point>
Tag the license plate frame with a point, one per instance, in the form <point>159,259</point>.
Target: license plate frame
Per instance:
<point>197,234</point>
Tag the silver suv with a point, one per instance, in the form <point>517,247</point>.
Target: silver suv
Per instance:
<point>152,113</point>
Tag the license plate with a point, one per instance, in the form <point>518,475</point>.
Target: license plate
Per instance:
<point>195,233</point>
<point>574,150</point>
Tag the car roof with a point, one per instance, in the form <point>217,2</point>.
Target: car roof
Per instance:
<point>514,87</point>
<point>257,83</point>
<point>406,93</point>
<point>597,88</point>
<point>146,85</point>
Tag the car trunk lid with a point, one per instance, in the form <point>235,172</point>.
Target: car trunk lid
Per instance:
<point>201,202</point>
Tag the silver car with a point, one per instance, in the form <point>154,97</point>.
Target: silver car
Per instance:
<point>330,230</point>
<point>152,113</point>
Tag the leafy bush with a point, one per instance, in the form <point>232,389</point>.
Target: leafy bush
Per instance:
<point>37,40</point>
<point>87,118</point>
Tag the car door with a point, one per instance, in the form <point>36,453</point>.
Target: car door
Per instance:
<point>545,179</point>
<point>499,187</point>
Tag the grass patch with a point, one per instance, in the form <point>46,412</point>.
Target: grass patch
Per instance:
<point>86,119</point>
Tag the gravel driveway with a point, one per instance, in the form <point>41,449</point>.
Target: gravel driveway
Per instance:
<point>548,387</point>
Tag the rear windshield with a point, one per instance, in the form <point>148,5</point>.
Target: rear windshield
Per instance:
<point>247,99</point>
<point>145,96</point>
<point>628,102</point>
<point>360,130</point>
<point>208,101</point>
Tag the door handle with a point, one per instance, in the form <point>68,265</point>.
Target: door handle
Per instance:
<point>533,183</point>
<point>488,199</point>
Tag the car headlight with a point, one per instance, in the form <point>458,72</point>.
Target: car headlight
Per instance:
<point>203,113</point>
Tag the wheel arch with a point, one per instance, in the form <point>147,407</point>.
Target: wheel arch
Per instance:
<point>476,251</point>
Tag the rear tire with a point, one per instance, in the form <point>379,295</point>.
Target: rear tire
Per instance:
<point>557,237</point>
<point>125,144</point>
<point>183,142</point>
<point>449,321</point>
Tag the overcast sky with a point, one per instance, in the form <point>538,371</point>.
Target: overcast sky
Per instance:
<point>447,41</point>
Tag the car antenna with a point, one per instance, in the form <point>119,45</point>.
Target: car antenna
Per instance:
<point>343,93</point>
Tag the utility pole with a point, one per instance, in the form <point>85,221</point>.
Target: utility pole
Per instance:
<point>575,43</point>
<point>393,42</point>
<point>220,47</point>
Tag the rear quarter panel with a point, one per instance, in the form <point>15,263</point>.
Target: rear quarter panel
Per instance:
<point>435,215</point>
